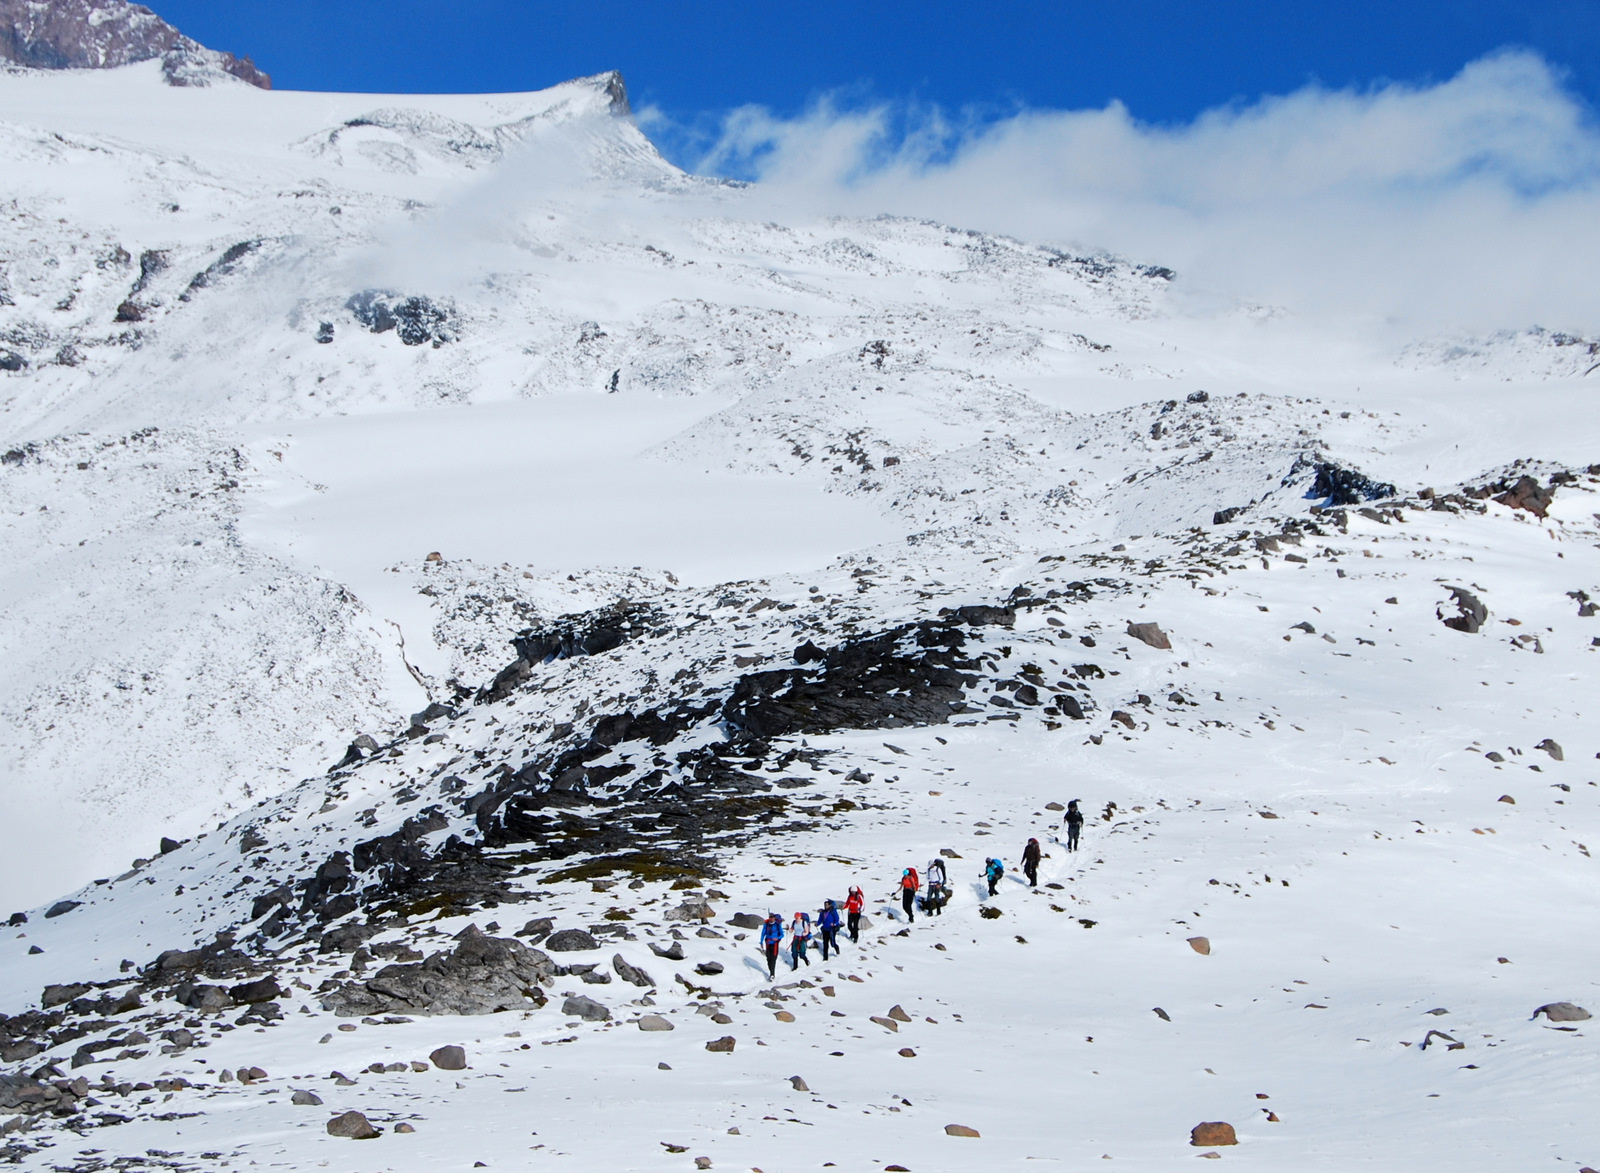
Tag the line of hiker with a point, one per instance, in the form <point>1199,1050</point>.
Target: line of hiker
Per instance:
<point>929,892</point>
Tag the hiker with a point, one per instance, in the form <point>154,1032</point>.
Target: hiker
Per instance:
<point>1030,862</point>
<point>771,939</point>
<point>993,869</point>
<point>908,893</point>
<point>1074,824</point>
<point>799,938</point>
<point>938,890</point>
<point>854,902</point>
<point>828,923</point>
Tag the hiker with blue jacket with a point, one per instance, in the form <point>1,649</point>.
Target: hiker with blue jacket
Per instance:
<point>993,869</point>
<point>828,924</point>
<point>771,940</point>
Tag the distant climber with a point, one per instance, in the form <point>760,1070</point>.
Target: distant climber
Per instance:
<point>938,890</point>
<point>1074,824</point>
<point>854,902</point>
<point>993,869</point>
<point>1030,862</point>
<point>908,892</point>
<point>828,927</point>
<point>771,940</point>
<point>799,938</point>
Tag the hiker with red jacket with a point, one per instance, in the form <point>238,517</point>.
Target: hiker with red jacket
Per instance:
<point>1030,862</point>
<point>908,892</point>
<point>771,940</point>
<point>853,904</point>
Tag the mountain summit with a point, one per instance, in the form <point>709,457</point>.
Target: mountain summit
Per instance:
<point>103,34</point>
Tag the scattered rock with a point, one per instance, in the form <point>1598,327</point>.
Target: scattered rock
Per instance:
<point>784,1016</point>
<point>585,1008</point>
<point>306,1099</point>
<point>898,1013</point>
<point>253,993</point>
<point>673,952</point>
<point>1471,613</point>
<point>724,1044</point>
<point>689,910</point>
<point>1212,1133</point>
<point>1506,798</point>
<point>798,1084</point>
<point>745,920</point>
<point>907,1053</point>
<point>655,1022</point>
<point>482,975</point>
<point>1161,1014</point>
<point>959,1130</point>
<point>708,968</point>
<point>1562,1012</point>
<point>353,1125</point>
<point>537,929</point>
<point>570,941</point>
<point>886,1023</point>
<point>631,974</point>
<point>1150,633</point>
<point>404,1128</point>
<point>1122,718</point>
<point>1552,748</point>
<point>60,995</point>
<point>61,908</point>
<point>1201,945</point>
<point>449,1058</point>
<point>1528,494</point>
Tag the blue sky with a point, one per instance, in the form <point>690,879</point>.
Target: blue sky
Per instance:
<point>1166,60</point>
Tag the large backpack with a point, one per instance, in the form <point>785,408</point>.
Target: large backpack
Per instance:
<point>909,880</point>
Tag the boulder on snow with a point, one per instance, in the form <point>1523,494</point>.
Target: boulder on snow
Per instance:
<point>61,908</point>
<point>1562,1012</point>
<point>60,995</point>
<point>482,975</point>
<point>1528,494</point>
<point>708,968</point>
<point>655,1022</point>
<point>570,941</point>
<point>449,1058</point>
<point>1150,633</point>
<point>1212,1133</point>
<point>745,920</point>
<point>1201,945</point>
<point>960,1130</point>
<point>1470,615</point>
<point>631,974</point>
<point>1552,748</point>
<point>536,929</point>
<point>353,1125</point>
<point>306,1099</point>
<point>579,1006</point>
<point>724,1044</point>
<point>690,910</point>
<point>673,952</point>
<point>798,1084</point>
<point>253,993</point>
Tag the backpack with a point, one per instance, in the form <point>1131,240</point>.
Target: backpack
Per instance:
<point>909,880</point>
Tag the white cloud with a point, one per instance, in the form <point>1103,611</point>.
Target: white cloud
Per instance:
<point>1471,203</point>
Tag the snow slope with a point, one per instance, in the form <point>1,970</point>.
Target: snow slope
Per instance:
<point>398,379</point>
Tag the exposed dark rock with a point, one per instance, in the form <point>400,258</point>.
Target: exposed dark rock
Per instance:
<point>10,360</point>
<point>1562,1012</point>
<point>482,975</point>
<point>249,993</point>
<point>1150,633</point>
<point>570,941</point>
<point>61,908</point>
<point>1527,494</point>
<point>415,320</point>
<point>579,1006</point>
<point>1471,613</point>
<point>352,1124</point>
<point>449,1058</point>
<point>631,974</point>
<point>1333,485</point>
<point>673,952</point>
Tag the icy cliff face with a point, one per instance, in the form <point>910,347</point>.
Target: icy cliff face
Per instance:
<point>105,34</point>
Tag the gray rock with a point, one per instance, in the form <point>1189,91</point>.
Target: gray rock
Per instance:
<point>1562,1012</point>
<point>537,929</point>
<point>62,907</point>
<point>306,1099</point>
<point>482,975</point>
<point>353,1125</point>
<point>570,941</point>
<point>672,953</point>
<point>587,1009</point>
<point>631,974</point>
<point>595,978</point>
<point>450,1058</point>
<point>798,1084</point>
<point>655,1022</point>
<point>745,920</point>
<point>708,968</point>
<point>690,910</point>
<point>251,993</point>
<point>725,1044</point>
<point>1552,748</point>
<point>60,995</point>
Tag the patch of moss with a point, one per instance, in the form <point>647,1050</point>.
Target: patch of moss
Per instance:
<point>646,865</point>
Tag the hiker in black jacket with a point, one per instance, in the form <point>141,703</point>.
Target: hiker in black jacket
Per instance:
<point>1074,824</point>
<point>1030,862</point>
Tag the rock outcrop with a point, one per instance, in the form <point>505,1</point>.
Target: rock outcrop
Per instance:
<point>481,975</point>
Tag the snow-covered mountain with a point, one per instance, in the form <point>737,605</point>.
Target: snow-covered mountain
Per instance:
<point>105,34</point>
<point>501,564</point>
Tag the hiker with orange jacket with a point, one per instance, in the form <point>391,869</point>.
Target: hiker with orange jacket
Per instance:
<point>853,904</point>
<point>908,892</point>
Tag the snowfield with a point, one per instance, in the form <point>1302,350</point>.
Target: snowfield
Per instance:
<point>502,566</point>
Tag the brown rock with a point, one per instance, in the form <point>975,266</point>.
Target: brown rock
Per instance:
<point>1201,945</point>
<point>353,1125</point>
<point>404,1128</point>
<point>798,1084</point>
<point>655,1022</point>
<point>898,1014</point>
<point>1212,1134</point>
<point>1122,718</point>
<point>886,1023</point>
<point>1151,634</point>
<point>907,1053</point>
<point>959,1130</point>
<point>784,1016</point>
<point>1507,798</point>
<point>724,1044</point>
<point>1562,1012</point>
